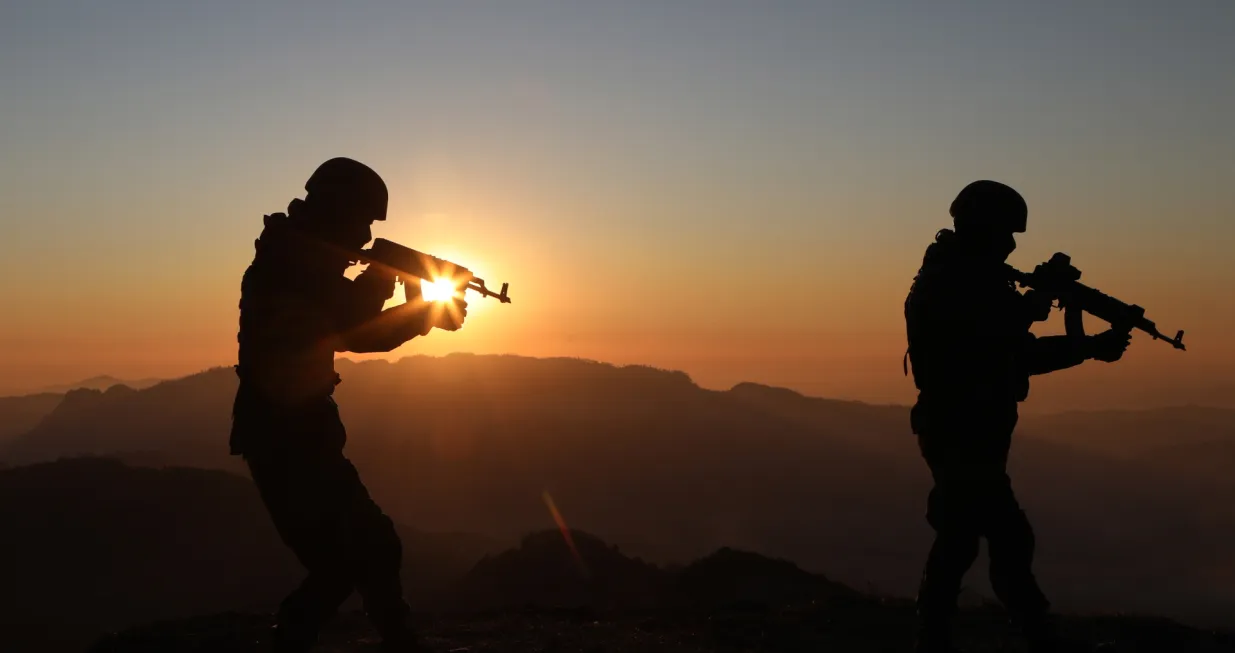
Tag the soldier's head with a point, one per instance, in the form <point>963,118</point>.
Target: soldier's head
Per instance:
<point>986,215</point>
<point>345,197</point>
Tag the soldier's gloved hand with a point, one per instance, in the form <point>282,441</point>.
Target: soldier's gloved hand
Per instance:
<point>376,282</point>
<point>1037,305</point>
<point>1108,346</point>
<point>452,314</point>
<point>413,296</point>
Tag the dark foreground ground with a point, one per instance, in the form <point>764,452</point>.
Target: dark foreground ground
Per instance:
<point>857,627</point>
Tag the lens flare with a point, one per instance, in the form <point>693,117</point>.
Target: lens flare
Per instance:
<point>561,525</point>
<point>438,290</point>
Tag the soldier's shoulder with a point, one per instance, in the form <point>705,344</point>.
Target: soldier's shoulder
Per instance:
<point>260,274</point>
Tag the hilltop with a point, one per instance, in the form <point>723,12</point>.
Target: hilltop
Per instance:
<point>670,472</point>
<point>862,625</point>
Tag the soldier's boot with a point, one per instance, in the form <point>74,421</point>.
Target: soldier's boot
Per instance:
<point>290,639</point>
<point>1042,635</point>
<point>304,611</point>
<point>392,619</point>
<point>403,643</point>
<point>935,613</point>
<point>400,637</point>
<point>933,642</point>
<point>940,586</point>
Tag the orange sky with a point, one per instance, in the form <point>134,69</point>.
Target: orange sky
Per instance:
<point>829,327</point>
<point>743,194</point>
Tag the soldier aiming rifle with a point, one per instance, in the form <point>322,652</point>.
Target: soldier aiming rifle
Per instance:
<point>972,355</point>
<point>297,309</point>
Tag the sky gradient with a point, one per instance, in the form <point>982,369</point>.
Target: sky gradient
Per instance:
<point>739,190</point>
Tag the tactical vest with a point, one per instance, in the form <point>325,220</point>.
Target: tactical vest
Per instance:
<point>964,339</point>
<point>286,336</point>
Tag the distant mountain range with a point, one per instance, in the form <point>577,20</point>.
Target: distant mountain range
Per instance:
<point>99,383</point>
<point>20,414</point>
<point>93,544</point>
<point>105,547</point>
<point>1132,508</point>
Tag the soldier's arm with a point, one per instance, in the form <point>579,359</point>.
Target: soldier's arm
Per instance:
<point>364,327</point>
<point>1053,353</point>
<point>387,330</point>
<point>359,301</point>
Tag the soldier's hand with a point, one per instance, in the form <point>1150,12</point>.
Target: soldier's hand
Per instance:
<point>412,292</point>
<point>413,298</point>
<point>1109,346</point>
<point>452,315</point>
<point>1038,305</point>
<point>377,281</point>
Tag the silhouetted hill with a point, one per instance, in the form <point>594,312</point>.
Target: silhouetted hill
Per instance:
<point>730,577</point>
<point>20,414</point>
<point>94,544</point>
<point>585,595</point>
<point>843,625</point>
<point>102,545</point>
<point>670,471</point>
<point>100,383</point>
<point>174,422</point>
<point>544,571</point>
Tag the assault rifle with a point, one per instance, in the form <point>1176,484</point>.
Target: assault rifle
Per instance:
<point>1059,279</point>
<point>409,266</point>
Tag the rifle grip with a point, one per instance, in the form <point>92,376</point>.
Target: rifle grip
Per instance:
<point>1074,321</point>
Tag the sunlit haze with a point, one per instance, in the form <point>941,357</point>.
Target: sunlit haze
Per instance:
<point>742,191</point>
<point>437,290</point>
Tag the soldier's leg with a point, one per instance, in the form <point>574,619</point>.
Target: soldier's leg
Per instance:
<point>304,611</point>
<point>952,554</point>
<point>308,520</point>
<point>374,555</point>
<point>1011,540</point>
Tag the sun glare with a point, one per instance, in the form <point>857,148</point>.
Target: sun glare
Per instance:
<point>438,290</point>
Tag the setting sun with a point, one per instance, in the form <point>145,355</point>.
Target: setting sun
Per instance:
<point>436,290</point>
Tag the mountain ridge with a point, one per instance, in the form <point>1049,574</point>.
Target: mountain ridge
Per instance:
<point>129,540</point>
<point>669,471</point>
<point>100,382</point>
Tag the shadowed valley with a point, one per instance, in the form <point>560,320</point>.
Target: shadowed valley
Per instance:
<point>640,458</point>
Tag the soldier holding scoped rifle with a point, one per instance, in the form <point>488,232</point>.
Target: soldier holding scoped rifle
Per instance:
<point>1057,278</point>
<point>972,355</point>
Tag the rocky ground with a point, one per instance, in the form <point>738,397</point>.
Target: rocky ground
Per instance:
<point>857,626</point>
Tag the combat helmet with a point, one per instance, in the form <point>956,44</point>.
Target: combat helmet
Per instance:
<point>344,182</point>
<point>986,205</point>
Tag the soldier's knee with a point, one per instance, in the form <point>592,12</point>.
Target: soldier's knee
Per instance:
<point>1018,529</point>
<point>955,548</point>
<point>389,544</point>
<point>1012,538</point>
<point>951,511</point>
<point>380,550</point>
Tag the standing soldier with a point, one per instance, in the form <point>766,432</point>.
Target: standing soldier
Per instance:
<point>972,355</point>
<point>296,310</point>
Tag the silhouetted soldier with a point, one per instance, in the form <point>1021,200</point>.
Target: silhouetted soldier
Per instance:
<point>972,355</point>
<point>296,310</point>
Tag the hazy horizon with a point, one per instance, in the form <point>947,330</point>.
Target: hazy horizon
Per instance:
<point>1131,511</point>
<point>739,192</point>
<point>1040,408</point>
